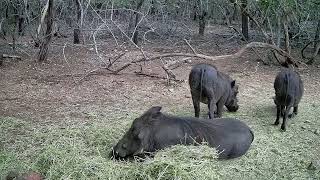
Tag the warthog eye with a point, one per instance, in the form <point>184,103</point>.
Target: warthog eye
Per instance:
<point>124,146</point>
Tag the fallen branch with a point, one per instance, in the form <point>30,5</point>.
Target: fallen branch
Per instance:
<point>238,54</point>
<point>115,59</point>
<point>179,63</point>
<point>11,56</point>
<point>170,74</point>
<point>315,53</point>
<point>242,36</point>
<point>93,72</point>
<point>10,99</point>
<point>192,49</point>
<point>155,76</point>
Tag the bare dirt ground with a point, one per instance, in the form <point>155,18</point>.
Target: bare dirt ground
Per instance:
<point>59,89</point>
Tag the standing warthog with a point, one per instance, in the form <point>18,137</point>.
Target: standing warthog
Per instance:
<point>214,88</point>
<point>288,88</point>
<point>154,131</point>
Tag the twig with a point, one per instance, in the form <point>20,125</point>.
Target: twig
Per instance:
<point>96,47</point>
<point>115,59</point>
<point>190,46</point>
<point>64,56</point>
<point>91,73</point>
<point>141,50</point>
<point>87,74</point>
<point>144,35</point>
<point>23,51</point>
<point>111,15</point>
<point>11,56</point>
<point>242,36</point>
<point>65,59</point>
<point>155,76</point>
<point>305,47</point>
<point>104,23</point>
<point>178,64</point>
<point>1,21</point>
<point>237,31</point>
<point>137,25</point>
<point>169,72</point>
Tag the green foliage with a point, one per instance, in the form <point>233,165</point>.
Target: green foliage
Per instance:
<point>303,8</point>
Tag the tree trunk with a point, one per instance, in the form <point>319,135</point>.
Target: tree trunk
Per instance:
<point>77,30</point>
<point>286,35</point>
<point>13,41</point>
<point>76,36</point>
<point>136,33</point>
<point>137,19</point>
<point>152,8</point>
<point>245,19</point>
<point>194,11</point>
<point>68,17</point>
<point>235,12</point>
<point>228,16</point>
<point>20,25</point>
<point>316,48</point>
<point>287,47</point>
<point>317,36</point>
<point>16,24</point>
<point>315,52</point>
<point>278,31</point>
<point>4,31</point>
<point>43,53</point>
<point>202,22</point>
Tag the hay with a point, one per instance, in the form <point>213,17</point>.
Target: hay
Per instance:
<point>81,151</point>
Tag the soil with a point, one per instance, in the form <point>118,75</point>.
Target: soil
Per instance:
<point>61,90</point>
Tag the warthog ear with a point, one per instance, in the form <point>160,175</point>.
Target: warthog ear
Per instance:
<point>155,111</point>
<point>233,83</point>
<point>142,134</point>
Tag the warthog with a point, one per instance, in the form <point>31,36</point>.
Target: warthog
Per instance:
<point>214,88</point>
<point>154,131</point>
<point>288,88</point>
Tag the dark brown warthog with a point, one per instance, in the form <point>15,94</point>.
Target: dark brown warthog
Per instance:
<point>154,131</point>
<point>288,87</point>
<point>214,88</point>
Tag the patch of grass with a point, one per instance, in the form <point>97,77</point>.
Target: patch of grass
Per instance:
<point>81,151</point>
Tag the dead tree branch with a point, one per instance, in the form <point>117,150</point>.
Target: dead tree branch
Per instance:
<point>115,59</point>
<point>214,58</point>
<point>11,56</point>
<point>192,49</point>
<point>242,36</point>
<point>315,53</point>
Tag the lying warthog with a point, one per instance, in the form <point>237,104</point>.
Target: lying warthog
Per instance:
<point>154,131</point>
<point>214,88</point>
<point>288,88</point>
